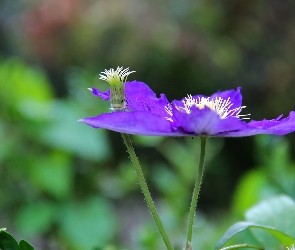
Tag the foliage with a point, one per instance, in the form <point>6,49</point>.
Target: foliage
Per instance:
<point>66,186</point>
<point>9,243</point>
<point>273,218</point>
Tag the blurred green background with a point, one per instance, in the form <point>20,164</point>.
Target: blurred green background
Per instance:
<point>65,185</point>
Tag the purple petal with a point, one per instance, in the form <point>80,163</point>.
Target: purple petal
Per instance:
<point>147,116</point>
<point>276,126</point>
<point>138,122</point>
<point>234,96</point>
<point>205,122</point>
<point>140,97</point>
<point>103,95</point>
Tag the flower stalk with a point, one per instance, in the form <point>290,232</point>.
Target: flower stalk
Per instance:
<point>136,109</point>
<point>242,246</point>
<point>116,79</point>
<point>145,190</point>
<point>196,193</point>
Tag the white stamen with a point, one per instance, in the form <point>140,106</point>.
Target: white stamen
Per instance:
<point>168,109</point>
<point>120,73</point>
<point>221,106</point>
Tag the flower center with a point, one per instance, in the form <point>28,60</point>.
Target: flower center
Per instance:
<point>221,106</point>
<point>116,79</point>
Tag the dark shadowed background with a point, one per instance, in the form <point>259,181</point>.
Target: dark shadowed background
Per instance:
<point>65,185</point>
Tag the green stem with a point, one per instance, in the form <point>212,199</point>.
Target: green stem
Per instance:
<point>196,193</point>
<point>146,191</point>
<point>242,246</point>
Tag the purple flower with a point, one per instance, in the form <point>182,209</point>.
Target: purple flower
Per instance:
<point>214,116</point>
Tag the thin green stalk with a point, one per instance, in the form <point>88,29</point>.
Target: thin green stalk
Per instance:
<point>196,193</point>
<point>242,246</point>
<point>146,191</point>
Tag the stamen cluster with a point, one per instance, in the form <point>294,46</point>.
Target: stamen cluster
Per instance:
<point>116,79</point>
<point>221,106</point>
<point>118,75</point>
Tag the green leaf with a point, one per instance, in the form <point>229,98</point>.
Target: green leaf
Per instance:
<point>35,218</point>
<point>88,224</point>
<point>21,84</point>
<point>252,188</point>
<point>64,132</point>
<point>23,245</point>
<point>53,174</point>
<point>278,213</point>
<point>7,242</point>
<point>148,141</point>
<point>286,240</point>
